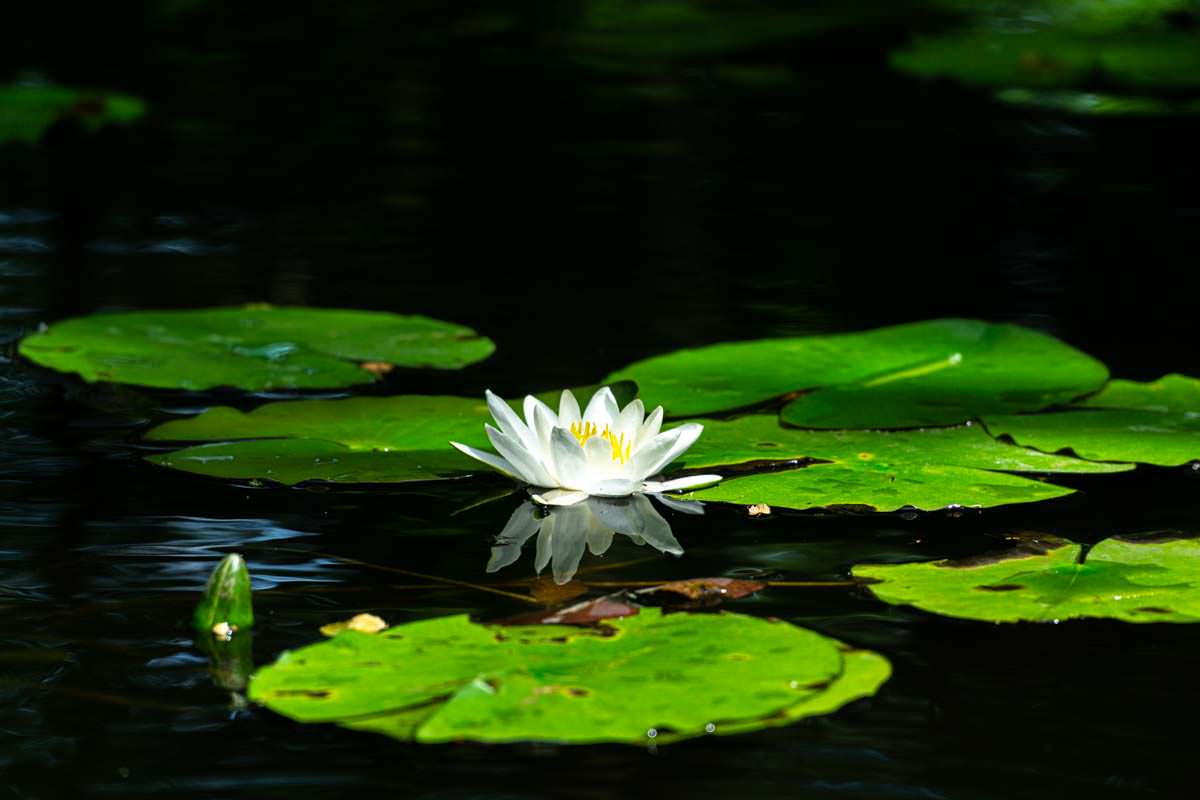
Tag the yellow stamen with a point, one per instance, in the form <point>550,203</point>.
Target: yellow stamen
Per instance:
<point>621,451</point>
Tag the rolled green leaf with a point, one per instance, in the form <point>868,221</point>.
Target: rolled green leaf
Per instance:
<point>227,597</point>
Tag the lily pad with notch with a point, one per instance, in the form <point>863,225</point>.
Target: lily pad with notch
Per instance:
<point>885,471</point>
<point>1152,579</point>
<point>1150,423</point>
<point>675,676</point>
<point>937,372</point>
<point>255,347</point>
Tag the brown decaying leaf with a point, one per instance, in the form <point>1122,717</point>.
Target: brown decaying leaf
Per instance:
<point>585,613</point>
<point>711,588</point>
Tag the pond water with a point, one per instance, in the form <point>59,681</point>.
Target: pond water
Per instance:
<point>485,166</point>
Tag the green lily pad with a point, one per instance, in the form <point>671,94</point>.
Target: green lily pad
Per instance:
<point>253,348</point>
<point>1149,423</point>
<point>349,440</point>
<point>1044,59</point>
<point>1170,394</point>
<point>924,373</point>
<point>27,112</point>
<point>887,471</point>
<point>1126,579</point>
<point>629,680</point>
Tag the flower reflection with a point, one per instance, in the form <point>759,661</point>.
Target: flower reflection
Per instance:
<point>564,532</point>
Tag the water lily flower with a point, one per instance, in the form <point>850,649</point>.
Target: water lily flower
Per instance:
<point>605,451</point>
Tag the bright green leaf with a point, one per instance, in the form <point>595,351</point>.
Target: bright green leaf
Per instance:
<point>253,348</point>
<point>926,469</point>
<point>1126,579</point>
<point>449,679</point>
<point>1150,423</point>
<point>923,373</point>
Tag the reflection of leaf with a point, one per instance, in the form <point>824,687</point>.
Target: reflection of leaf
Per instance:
<point>1057,59</point>
<point>1130,580</point>
<point>924,373</point>
<point>1096,104</point>
<point>27,112</point>
<point>254,348</point>
<point>678,675</point>
<point>1151,423</point>
<point>614,32</point>
<point>927,469</point>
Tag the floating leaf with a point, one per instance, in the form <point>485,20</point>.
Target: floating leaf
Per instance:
<point>1126,579</point>
<point>650,675</point>
<point>254,348</point>
<point>1170,394</point>
<point>350,440</point>
<point>1150,423</point>
<point>28,111</point>
<point>923,373</point>
<point>886,471</point>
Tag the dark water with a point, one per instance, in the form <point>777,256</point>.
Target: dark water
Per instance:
<point>467,163</point>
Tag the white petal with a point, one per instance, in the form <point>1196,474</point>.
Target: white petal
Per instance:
<point>678,484</point>
<point>665,448</point>
<point>602,409</point>
<point>528,468</point>
<point>568,410</point>
<point>629,423</point>
<point>491,459</point>
<point>542,425</point>
<point>598,453</point>
<point>560,497</point>
<point>613,487</point>
<point>510,423</point>
<point>567,457</point>
<point>650,427</point>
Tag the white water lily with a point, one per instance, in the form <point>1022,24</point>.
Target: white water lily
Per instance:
<point>606,451</point>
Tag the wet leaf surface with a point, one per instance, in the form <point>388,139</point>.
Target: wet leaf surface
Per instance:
<point>1125,579</point>
<point>1150,423</point>
<point>253,347</point>
<point>885,471</point>
<point>924,373</point>
<point>628,680</point>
